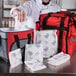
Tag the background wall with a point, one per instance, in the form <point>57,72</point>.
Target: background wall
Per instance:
<point>68,4</point>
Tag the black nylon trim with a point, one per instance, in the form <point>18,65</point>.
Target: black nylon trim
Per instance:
<point>60,35</point>
<point>0,41</point>
<point>54,27</point>
<point>45,19</point>
<point>39,25</point>
<point>17,41</point>
<point>49,14</point>
<point>29,38</point>
<point>23,48</point>
<point>23,53</point>
<point>14,42</point>
<point>67,36</point>
<point>74,22</point>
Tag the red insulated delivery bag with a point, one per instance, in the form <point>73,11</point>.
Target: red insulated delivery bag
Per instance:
<point>11,39</point>
<point>64,23</point>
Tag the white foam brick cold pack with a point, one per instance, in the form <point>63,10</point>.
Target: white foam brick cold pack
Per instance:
<point>48,39</point>
<point>34,57</point>
<point>15,58</point>
<point>58,59</point>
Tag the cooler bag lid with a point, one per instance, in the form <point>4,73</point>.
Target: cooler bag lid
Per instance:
<point>4,31</point>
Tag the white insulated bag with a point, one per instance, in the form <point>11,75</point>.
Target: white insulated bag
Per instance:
<point>48,39</point>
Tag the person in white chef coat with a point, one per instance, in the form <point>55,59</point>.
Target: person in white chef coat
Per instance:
<point>33,8</point>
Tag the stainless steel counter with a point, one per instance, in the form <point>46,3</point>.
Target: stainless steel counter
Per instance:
<point>68,67</point>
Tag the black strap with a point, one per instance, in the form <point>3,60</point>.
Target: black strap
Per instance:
<point>49,14</point>
<point>23,48</point>
<point>0,41</point>
<point>29,38</point>
<point>45,20</point>
<point>54,27</point>
<point>60,35</point>
<point>39,25</point>
<point>23,53</point>
<point>74,21</point>
<point>44,26</point>
<point>17,41</point>
<point>67,35</point>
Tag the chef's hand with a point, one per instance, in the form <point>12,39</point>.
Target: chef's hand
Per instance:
<point>20,15</point>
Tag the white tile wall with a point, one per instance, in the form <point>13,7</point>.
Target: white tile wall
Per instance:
<point>69,4</point>
<point>66,4</point>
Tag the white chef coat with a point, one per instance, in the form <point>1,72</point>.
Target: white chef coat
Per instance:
<point>33,8</point>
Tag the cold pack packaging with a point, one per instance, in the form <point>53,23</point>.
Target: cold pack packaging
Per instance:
<point>48,39</point>
<point>34,57</point>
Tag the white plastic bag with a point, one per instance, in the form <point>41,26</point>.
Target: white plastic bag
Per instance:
<point>27,23</point>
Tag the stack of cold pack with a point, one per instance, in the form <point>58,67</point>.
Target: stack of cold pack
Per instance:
<point>33,57</point>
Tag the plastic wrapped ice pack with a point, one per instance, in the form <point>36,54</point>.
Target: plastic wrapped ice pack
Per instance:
<point>56,69</point>
<point>58,59</point>
<point>34,66</point>
<point>34,52</point>
<point>34,57</point>
<point>48,39</point>
<point>15,58</point>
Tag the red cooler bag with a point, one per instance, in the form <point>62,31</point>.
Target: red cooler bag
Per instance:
<point>63,23</point>
<point>11,39</point>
